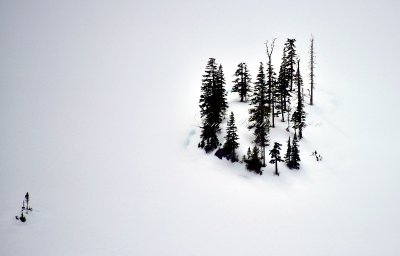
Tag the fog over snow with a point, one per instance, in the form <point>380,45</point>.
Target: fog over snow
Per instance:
<point>99,122</point>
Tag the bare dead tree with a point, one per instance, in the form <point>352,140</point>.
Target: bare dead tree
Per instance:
<point>288,118</point>
<point>271,81</point>
<point>312,64</point>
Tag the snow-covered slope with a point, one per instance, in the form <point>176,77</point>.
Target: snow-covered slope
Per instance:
<point>99,116</point>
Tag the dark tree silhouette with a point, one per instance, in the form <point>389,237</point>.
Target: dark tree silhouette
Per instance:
<point>242,82</point>
<point>282,92</point>
<point>288,153</point>
<point>312,64</point>
<point>295,155</point>
<point>231,137</point>
<point>220,95</point>
<point>275,156</point>
<point>299,115</point>
<point>259,114</point>
<point>213,105</point>
<point>253,163</point>
<point>290,60</point>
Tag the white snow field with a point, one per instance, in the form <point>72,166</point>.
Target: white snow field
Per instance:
<point>99,123</point>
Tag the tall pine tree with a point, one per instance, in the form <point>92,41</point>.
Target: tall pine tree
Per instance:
<point>242,82</point>
<point>288,153</point>
<point>213,105</point>
<point>294,162</point>
<point>259,113</point>
<point>283,91</point>
<point>299,115</point>
<point>221,104</point>
<point>290,60</point>
<point>231,137</point>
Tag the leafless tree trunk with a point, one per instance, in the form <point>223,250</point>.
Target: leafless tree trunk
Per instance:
<point>312,63</point>
<point>276,168</point>
<point>270,49</point>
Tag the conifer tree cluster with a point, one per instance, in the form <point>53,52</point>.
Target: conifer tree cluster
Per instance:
<point>253,160</point>
<point>270,96</point>
<point>213,105</point>
<point>292,157</point>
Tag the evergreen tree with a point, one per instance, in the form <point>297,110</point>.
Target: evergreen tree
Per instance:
<point>271,82</point>
<point>312,63</point>
<point>213,105</point>
<point>220,95</point>
<point>295,155</point>
<point>290,60</point>
<point>282,92</point>
<point>254,162</point>
<point>242,82</point>
<point>231,137</point>
<point>288,153</point>
<point>275,156</point>
<point>259,114</point>
<point>299,115</point>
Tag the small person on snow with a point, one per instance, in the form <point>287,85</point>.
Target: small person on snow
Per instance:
<point>24,207</point>
<point>21,218</point>
<point>317,156</point>
<point>27,202</point>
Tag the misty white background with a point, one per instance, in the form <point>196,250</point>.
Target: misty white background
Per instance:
<point>97,99</point>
